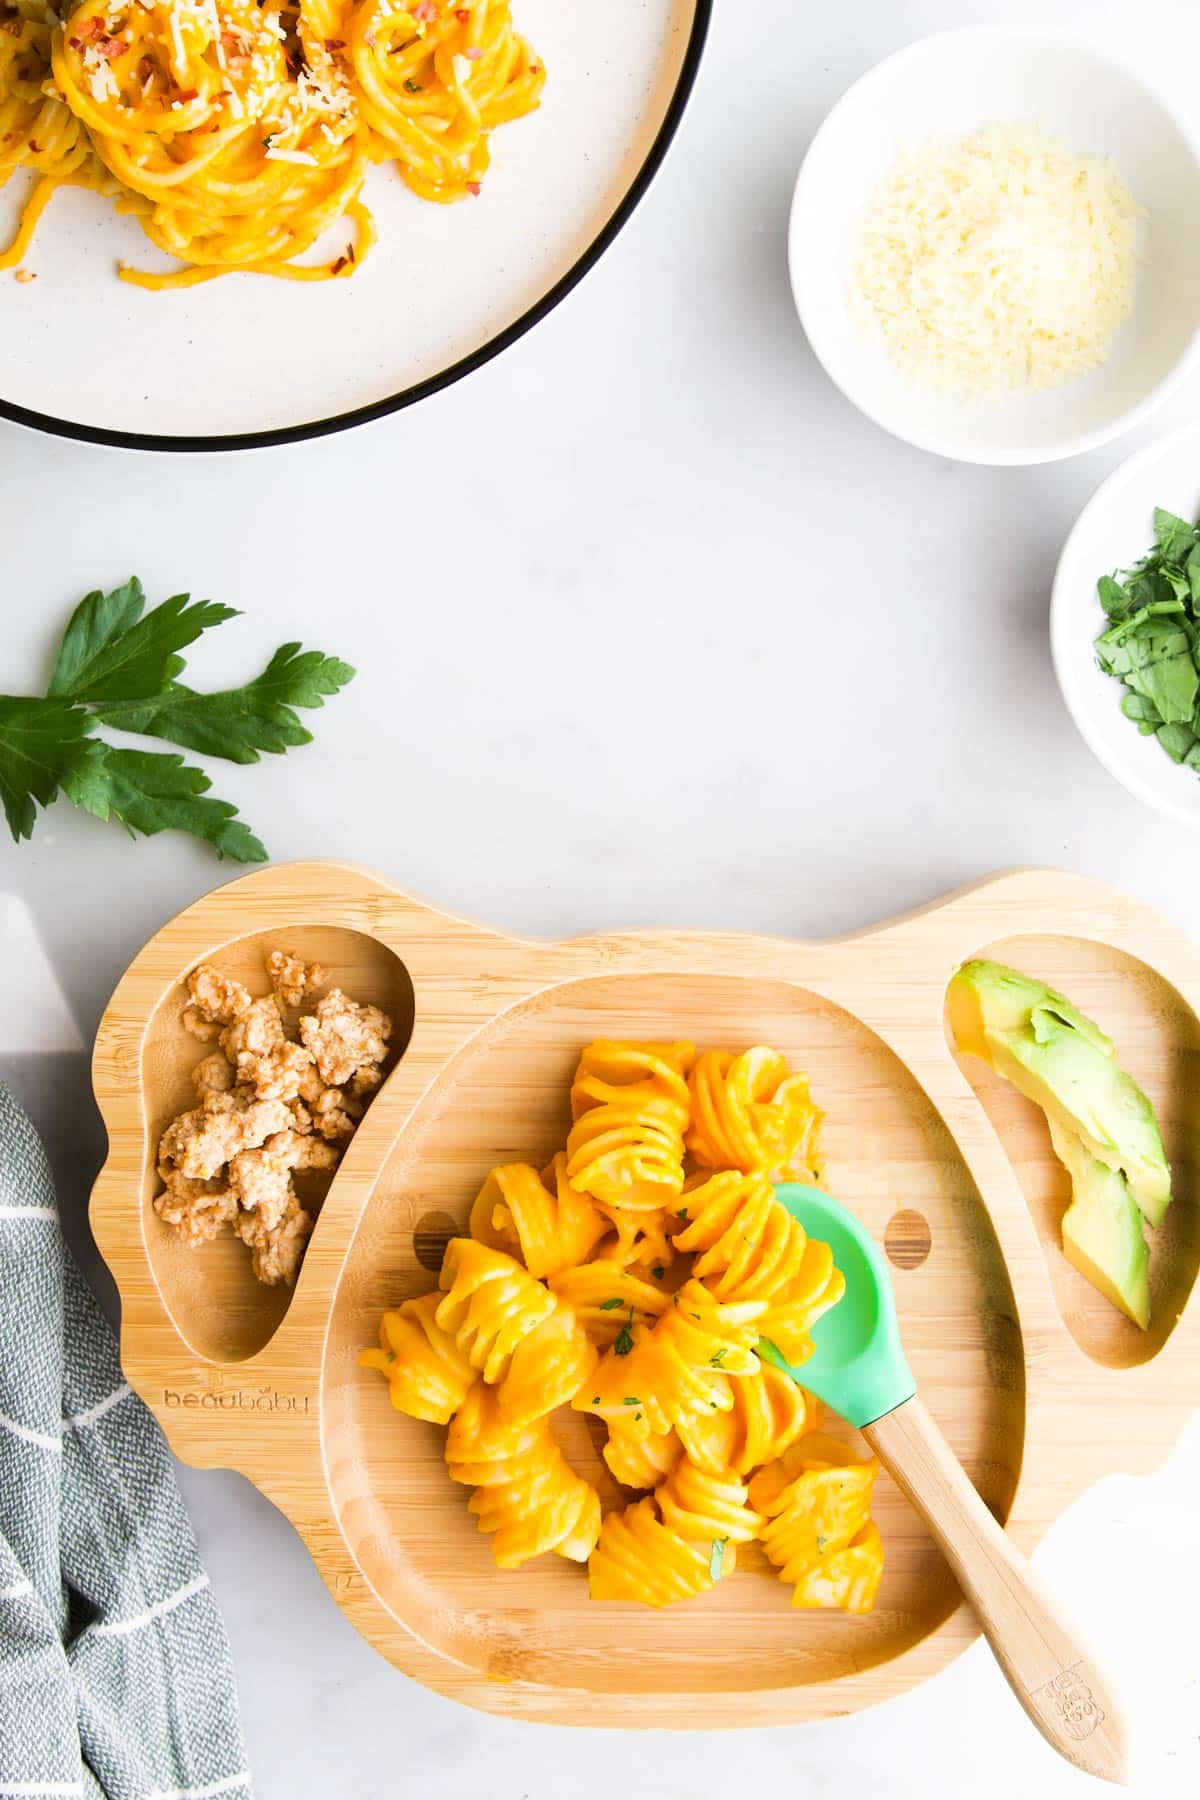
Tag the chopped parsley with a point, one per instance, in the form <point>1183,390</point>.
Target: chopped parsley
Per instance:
<point>624,1343</point>
<point>718,1356</point>
<point>412,87</point>
<point>631,1400</point>
<point>682,1213</point>
<point>595,1399</point>
<point>658,1271</point>
<point>608,1305</point>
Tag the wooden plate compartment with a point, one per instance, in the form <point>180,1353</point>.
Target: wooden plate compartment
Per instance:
<point>1024,1373</point>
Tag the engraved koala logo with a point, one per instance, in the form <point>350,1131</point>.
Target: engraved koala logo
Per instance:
<point>1068,1696</point>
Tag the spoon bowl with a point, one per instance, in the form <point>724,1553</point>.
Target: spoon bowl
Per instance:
<point>857,1366</point>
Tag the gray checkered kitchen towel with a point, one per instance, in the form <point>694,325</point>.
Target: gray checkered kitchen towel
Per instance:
<point>115,1672</point>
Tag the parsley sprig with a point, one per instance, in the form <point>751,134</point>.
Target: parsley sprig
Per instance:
<point>117,667</point>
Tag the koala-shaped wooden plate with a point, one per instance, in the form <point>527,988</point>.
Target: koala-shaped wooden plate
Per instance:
<point>1039,1383</point>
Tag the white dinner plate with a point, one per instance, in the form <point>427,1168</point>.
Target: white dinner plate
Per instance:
<point>249,361</point>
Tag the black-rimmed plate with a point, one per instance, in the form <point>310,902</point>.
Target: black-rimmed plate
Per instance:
<point>248,361</point>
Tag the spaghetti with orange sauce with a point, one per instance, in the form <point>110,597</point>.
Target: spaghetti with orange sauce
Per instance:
<point>238,132</point>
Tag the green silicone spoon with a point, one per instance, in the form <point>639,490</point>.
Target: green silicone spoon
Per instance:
<point>858,1368</point>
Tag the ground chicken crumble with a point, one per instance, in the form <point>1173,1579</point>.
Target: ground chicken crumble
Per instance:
<point>267,1108</point>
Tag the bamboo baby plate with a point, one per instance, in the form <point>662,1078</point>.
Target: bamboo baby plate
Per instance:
<point>1039,1384</point>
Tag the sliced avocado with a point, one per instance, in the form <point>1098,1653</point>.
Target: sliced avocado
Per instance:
<point>1057,1057</point>
<point>1102,1229</point>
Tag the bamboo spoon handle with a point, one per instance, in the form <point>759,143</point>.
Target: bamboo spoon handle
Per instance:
<point>1045,1662</point>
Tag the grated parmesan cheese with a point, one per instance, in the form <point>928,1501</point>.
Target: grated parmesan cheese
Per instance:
<point>995,262</point>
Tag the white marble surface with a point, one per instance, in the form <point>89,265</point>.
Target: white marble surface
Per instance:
<point>681,640</point>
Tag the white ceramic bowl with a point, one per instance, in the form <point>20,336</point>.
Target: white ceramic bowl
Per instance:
<point>954,83</point>
<point>1115,530</point>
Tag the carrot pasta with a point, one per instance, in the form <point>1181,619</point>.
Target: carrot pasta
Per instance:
<point>636,1279</point>
<point>237,132</point>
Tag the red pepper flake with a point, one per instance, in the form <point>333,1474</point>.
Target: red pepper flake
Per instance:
<point>473,188</point>
<point>463,14</point>
<point>187,95</point>
<point>109,48</point>
<point>35,146</point>
<point>332,44</point>
<point>535,68</point>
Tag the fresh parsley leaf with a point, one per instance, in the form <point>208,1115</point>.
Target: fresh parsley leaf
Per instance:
<point>682,1213</point>
<point>718,1356</point>
<point>658,1271</point>
<point>110,651</point>
<point>239,723</point>
<point>631,1400</point>
<point>1177,740</point>
<point>624,1343</point>
<point>1175,536</point>
<point>608,1305</point>
<point>40,742</point>
<point>117,665</point>
<point>716,1558</point>
<point>1139,709</point>
<point>1113,597</point>
<point>150,792</point>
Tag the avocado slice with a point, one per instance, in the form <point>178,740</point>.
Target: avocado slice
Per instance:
<point>1061,1059</point>
<point>1102,1229</point>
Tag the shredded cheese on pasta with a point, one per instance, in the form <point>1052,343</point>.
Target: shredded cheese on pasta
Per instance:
<point>238,132</point>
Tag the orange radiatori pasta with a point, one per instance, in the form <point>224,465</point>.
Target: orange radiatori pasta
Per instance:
<point>647,1277</point>
<point>639,1558</point>
<point>238,132</point>
<point>769,1412</point>
<point>511,1329</point>
<point>749,1113</point>
<point>640,1462</point>
<point>708,1507</point>
<point>609,1299</point>
<point>540,1217</point>
<point>679,1371</point>
<point>819,1532</point>
<point>427,1374</point>
<point>748,1247</point>
<point>630,1105</point>
<point>527,1495</point>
